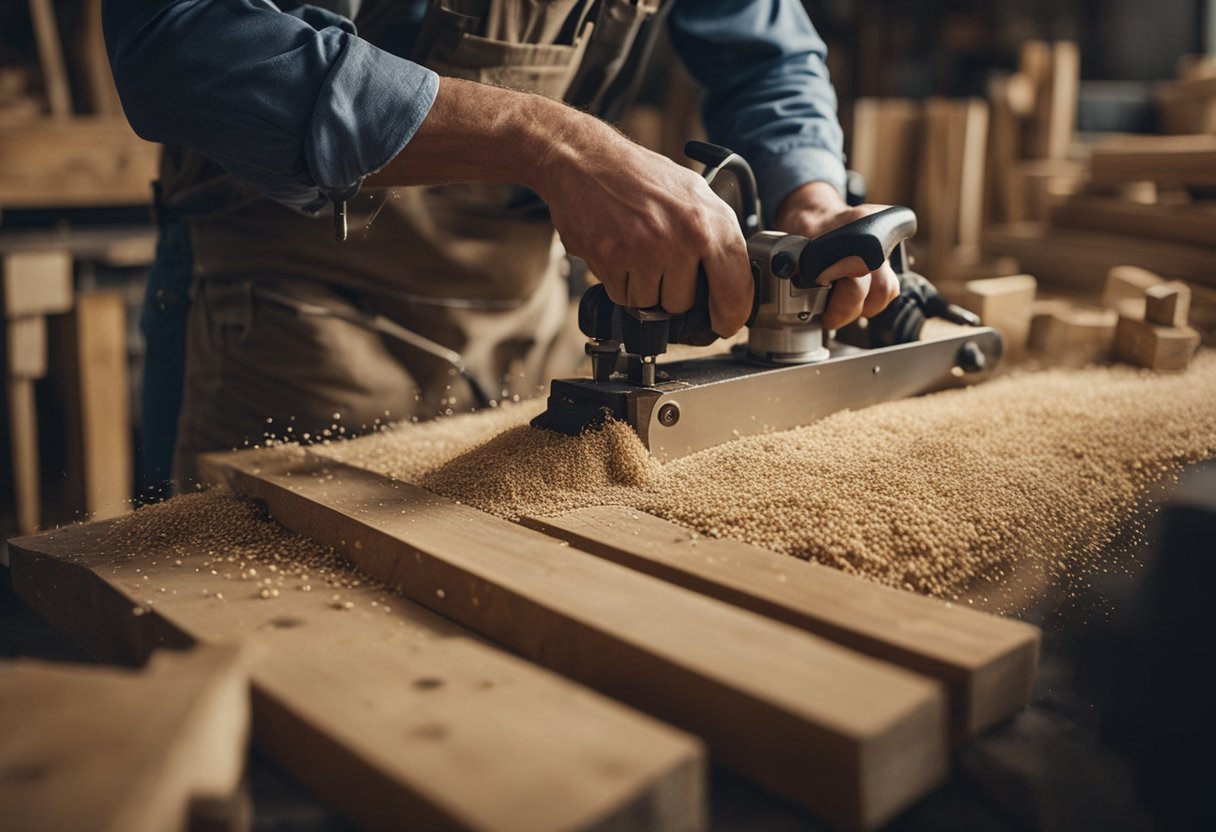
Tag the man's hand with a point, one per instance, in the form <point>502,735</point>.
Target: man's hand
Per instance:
<point>642,222</point>
<point>817,208</point>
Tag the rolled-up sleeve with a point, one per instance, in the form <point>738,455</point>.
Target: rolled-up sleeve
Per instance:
<point>768,95</point>
<point>293,104</point>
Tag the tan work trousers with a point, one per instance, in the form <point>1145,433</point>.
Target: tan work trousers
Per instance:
<point>441,263</point>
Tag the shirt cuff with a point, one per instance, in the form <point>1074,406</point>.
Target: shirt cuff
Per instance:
<point>781,174</point>
<point>369,107</point>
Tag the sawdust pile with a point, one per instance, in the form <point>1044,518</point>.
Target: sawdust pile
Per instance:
<point>1015,481</point>
<point>218,534</point>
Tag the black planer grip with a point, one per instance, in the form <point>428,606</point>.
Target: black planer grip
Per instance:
<point>871,238</point>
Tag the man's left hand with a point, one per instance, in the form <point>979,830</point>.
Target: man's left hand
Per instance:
<point>817,208</point>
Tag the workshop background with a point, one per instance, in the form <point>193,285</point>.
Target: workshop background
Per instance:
<point>1059,140</point>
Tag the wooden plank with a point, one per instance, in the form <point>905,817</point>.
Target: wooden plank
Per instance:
<point>50,57</point>
<point>103,96</point>
<point>88,747</point>
<point>1081,259</point>
<point>885,148</point>
<point>398,718</point>
<point>91,368</point>
<point>79,161</point>
<point>23,444</point>
<point>119,246</point>
<point>1166,160</point>
<point>851,738</point>
<point>987,663</point>
<point>35,282</point>
<point>1193,225</point>
<point>1061,113</point>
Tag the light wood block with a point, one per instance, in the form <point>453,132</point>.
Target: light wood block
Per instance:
<point>35,283</point>
<point>393,715</point>
<point>852,738</point>
<point>1155,347</point>
<point>25,346</point>
<point>1072,335</point>
<point>1003,303</point>
<point>987,663</point>
<point>115,750</point>
<point>1167,304</point>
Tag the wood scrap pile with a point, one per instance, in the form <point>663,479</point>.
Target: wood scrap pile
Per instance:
<point>1143,201</point>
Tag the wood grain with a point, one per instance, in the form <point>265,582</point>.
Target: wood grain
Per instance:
<point>987,663</point>
<point>852,738</point>
<point>393,715</point>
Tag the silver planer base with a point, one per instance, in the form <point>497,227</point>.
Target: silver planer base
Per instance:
<point>702,402</point>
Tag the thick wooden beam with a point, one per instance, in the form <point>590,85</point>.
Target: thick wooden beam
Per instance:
<point>88,747</point>
<point>852,738</point>
<point>393,715</point>
<point>987,663</point>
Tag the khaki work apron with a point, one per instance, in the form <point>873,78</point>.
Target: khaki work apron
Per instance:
<point>477,269</point>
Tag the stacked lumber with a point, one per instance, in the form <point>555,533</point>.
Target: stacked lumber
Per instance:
<point>963,163</point>
<point>837,693</point>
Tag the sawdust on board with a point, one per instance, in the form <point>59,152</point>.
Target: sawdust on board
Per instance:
<point>230,539</point>
<point>1018,480</point>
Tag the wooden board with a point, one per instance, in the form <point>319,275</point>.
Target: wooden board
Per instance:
<point>987,663</point>
<point>393,715</point>
<point>35,282</point>
<point>115,750</point>
<point>23,444</point>
<point>119,246</point>
<point>851,738</point>
<point>91,367</point>
<point>50,57</point>
<point>885,148</point>
<point>75,162</point>
<point>1192,225</point>
<point>1166,160</point>
<point>1081,259</point>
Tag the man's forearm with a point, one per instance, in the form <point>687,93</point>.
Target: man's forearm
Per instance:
<point>480,133</point>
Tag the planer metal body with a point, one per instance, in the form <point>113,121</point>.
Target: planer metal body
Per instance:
<point>791,372</point>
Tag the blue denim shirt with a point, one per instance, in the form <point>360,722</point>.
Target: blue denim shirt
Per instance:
<point>295,103</point>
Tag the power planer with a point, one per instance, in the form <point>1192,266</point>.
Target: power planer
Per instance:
<point>791,372</point>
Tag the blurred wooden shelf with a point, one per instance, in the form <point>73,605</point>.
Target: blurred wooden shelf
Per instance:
<point>74,162</point>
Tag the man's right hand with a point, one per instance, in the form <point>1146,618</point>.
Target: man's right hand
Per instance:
<point>642,222</point>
